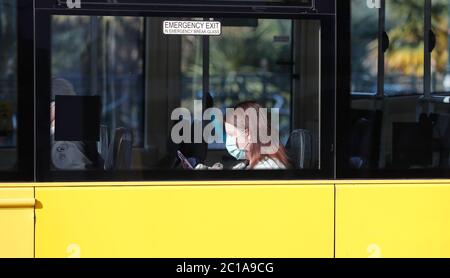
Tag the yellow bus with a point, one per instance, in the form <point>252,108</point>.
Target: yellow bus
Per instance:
<point>114,139</point>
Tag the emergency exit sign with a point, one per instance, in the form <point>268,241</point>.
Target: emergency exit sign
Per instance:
<point>193,28</point>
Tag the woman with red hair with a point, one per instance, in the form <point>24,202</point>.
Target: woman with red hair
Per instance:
<point>247,127</point>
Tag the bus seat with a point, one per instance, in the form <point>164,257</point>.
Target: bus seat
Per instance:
<point>365,139</point>
<point>103,144</point>
<point>442,138</point>
<point>413,144</point>
<point>120,150</point>
<point>299,149</point>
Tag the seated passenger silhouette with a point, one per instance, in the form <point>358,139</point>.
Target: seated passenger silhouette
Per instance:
<point>69,155</point>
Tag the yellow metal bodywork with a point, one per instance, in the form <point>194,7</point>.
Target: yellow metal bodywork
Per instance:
<point>408,218</point>
<point>186,221</point>
<point>391,220</point>
<point>16,222</point>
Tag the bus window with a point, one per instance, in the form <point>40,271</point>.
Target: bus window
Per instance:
<point>170,101</point>
<point>102,56</point>
<point>8,86</point>
<point>364,29</point>
<point>439,98</point>
<point>403,130</point>
<point>440,66</point>
<point>261,71</point>
<point>404,59</point>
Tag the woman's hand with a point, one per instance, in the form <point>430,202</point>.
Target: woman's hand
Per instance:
<point>202,167</point>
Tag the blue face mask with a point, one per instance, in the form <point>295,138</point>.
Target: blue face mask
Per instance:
<point>234,150</point>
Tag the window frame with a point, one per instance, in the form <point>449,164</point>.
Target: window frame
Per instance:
<point>25,96</point>
<point>327,99</point>
<point>220,6</point>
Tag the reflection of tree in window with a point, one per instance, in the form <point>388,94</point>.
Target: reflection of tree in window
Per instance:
<point>249,63</point>
<point>440,66</point>
<point>405,56</point>
<point>404,59</point>
<point>104,56</point>
<point>192,70</point>
<point>364,30</point>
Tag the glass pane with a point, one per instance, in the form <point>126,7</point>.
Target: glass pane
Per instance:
<point>128,96</point>
<point>260,68</point>
<point>440,81</point>
<point>362,138</point>
<point>440,66</point>
<point>364,30</point>
<point>402,130</point>
<point>404,60</point>
<point>192,70</point>
<point>99,64</point>
<point>8,85</point>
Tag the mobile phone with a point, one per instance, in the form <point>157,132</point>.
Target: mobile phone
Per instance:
<point>184,162</point>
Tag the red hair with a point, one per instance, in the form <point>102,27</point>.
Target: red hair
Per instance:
<point>254,153</point>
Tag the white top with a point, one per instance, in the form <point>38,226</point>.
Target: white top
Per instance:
<point>270,164</point>
<point>69,156</point>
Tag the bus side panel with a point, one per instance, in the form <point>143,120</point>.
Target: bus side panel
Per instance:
<point>393,221</point>
<point>16,222</point>
<point>211,221</point>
